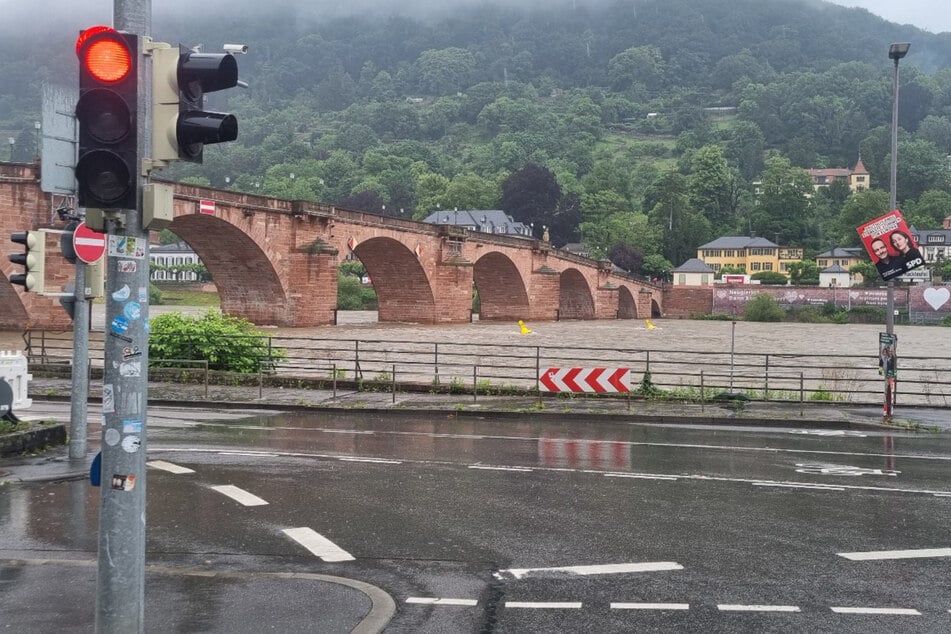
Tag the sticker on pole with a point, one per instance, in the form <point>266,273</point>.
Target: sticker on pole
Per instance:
<point>89,245</point>
<point>585,380</point>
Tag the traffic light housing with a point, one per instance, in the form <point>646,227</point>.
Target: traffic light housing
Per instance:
<point>108,165</point>
<point>180,79</point>
<point>33,260</point>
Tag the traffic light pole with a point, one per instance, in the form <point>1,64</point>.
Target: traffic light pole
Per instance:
<point>78,405</point>
<point>120,599</point>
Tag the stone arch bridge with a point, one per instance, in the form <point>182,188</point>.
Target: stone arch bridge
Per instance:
<point>275,263</point>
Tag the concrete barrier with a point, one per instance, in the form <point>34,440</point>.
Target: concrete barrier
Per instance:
<point>13,370</point>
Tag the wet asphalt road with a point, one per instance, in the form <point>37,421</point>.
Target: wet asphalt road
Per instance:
<point>475,525</point>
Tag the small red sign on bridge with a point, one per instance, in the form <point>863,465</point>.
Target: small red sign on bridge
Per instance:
<point>585,380</point>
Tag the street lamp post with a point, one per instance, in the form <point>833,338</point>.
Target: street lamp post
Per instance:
<point>896,51</point>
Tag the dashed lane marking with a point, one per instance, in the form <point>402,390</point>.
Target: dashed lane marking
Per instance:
<point>442,601</point>
<point>494,468</point>
<point>896,611</point>
<point>372,460</point>
<point>790,485</point>
<point>606,569</point>
<point>897,554</point>
<point>650,606</point>
<point>545,605</point>
<point>730,607</point>
<point>640,476</point>
<point>170,467</point>
<point>318,544</point>
<point>239,495</point>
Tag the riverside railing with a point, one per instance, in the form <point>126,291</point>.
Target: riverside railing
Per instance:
<point>485,367</point>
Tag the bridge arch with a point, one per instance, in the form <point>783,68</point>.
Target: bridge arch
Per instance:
<point>402,289</point>
<point>575,300</point>
<point>248,283</point>
<point>502,292</point>
<point>15,311</point>
<point>626,305</point>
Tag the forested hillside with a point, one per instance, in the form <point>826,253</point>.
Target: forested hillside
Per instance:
<point>638,127</point>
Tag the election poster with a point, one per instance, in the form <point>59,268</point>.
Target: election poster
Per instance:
<point>890,245</point>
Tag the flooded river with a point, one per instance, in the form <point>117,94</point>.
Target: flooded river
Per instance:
<point>680,335</point>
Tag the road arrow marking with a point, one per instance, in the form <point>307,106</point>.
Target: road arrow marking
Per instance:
<point>318,544</point>
<point>607,569</point>
<point>239,495</point>
<point>897,554</point>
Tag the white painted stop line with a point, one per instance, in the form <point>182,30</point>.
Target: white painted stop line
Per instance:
<point>318,544</point>
<point>168,466</point>
<point>897,554</point>
<point>239,495</point>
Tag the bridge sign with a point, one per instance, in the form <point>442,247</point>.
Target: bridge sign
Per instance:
<point>585,380</point>
<point>88,244</point>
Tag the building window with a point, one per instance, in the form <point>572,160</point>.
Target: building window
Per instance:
<point>767,266</point>
<point>705,279</point>
<point>754,266</point>
<point>682,278</point>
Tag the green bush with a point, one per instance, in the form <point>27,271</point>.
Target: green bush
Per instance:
<point>353,295</point>
<point>763,308</point>
<point>155,295</point>
<point>771,278</point>
<point>229,344</point>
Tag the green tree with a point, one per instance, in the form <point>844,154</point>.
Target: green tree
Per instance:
<point>713,186</point>
<point>683,229</point>
<point>785,209</point>
<point>445,71</point>
<point>804,273</point>
<point>763,307</point>
<point>861,207</point>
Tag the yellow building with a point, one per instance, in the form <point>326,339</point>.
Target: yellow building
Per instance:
<point>752,255</point>
<point>857,177</point>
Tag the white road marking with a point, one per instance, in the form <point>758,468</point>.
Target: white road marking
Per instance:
<point>650,606</point>
<point>318,544</point>
<point>640,476</point>
<point>790,485</point>
<point>239,495</point>
<point>255,454</point>
<point>897,554</point>
<point>726,607</point>
<point>607,569</point>
<point>373,460</point>
<point>899,611</point>
<point>168,466</point>
<point>541,605</point>
<point>491,468</point>
<point>442,601</point>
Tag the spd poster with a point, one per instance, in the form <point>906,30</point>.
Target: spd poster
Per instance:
<point>890,245</point>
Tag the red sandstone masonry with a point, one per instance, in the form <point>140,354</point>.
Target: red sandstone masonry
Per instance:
<point>274,262</point>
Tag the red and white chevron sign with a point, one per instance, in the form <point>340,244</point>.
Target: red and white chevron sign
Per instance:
<point>585,380</point>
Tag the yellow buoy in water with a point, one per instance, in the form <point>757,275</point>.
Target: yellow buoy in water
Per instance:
<point>525,329</point>
<point>650,326</point>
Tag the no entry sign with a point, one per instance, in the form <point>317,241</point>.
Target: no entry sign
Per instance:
<point>88,244</point>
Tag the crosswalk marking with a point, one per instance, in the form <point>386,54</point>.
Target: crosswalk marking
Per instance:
<point>318,544</point>
<point>239,495</point>
<point>168,466</point>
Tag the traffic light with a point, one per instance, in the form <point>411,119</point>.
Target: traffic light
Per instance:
<point>108,166</point>
<point>33,260</point>
<point>180,79</point>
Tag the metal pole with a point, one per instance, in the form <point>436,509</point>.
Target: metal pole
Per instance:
<point>732,344</point>
<point>893,204</point>
<point>120,596</point>
<point>78,404</point>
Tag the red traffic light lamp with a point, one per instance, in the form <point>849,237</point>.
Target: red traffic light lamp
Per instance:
<point>106,112</point>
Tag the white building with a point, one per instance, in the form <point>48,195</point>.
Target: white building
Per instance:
<point>486,221</point>
<point>693,272</point>
<point>167,255</point>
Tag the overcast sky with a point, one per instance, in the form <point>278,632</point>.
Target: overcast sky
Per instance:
<point>930,15</point>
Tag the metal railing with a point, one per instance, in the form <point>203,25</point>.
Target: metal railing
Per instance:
<point>489,367</point>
